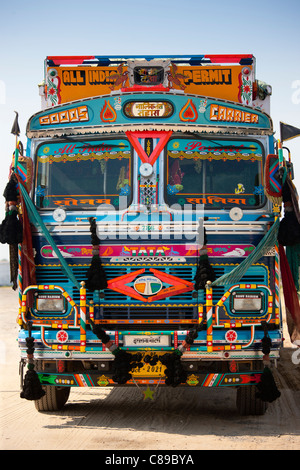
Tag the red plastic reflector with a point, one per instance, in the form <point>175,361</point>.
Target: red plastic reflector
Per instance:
<point>228,58</point>
<point>63,60</point>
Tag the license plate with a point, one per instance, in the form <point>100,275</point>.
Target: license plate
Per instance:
<point>146,341</point>
<point>149,371</point>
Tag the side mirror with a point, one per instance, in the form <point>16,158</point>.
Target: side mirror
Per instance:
<point>289,164</point>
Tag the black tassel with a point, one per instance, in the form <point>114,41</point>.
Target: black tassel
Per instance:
<point>123,363</point>
<point>96,277</point>
<point>10,191</point>
<point>122,366</point>
<point>266,342</point>
<point>174,372</point>
<point>152,360</point>
<point>99,332</point>
<point>93,229</point>
<point>204,272</point>
<point>266,345</point>
<point>289,230</point>
<point>267,389</point>
<point>32,388</point>
<point>191,336</point>
<point>137,361</point>
<point>11,230</point>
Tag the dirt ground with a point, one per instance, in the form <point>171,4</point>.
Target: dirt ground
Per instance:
<point>120,419</point>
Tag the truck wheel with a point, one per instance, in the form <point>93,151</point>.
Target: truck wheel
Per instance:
<point>54,399</point>
<point>247,403</point>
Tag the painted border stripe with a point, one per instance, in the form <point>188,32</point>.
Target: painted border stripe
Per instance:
<point>207,380</point>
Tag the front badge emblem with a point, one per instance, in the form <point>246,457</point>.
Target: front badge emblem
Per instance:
<point>148,285</point>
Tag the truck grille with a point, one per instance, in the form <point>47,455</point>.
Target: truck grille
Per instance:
<point>121,307</point>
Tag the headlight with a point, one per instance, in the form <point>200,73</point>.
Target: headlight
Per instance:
<point>247,302</point>
<point>50,303</point>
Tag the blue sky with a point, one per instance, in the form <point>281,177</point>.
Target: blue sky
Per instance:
<point>32,30</point>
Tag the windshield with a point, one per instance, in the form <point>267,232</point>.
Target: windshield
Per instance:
<point>83,174</point>
<point>216,173</point>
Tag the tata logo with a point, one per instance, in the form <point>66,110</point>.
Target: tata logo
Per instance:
<point>147,285</point>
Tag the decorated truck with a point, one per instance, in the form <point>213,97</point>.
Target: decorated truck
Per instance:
<point>143,219</point>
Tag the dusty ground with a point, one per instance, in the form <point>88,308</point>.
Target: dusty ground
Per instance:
<point>120,419</point>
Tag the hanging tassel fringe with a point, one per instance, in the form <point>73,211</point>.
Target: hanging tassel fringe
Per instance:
<point>174,372</point>
<point>266,342</point>
<point>96,277</point>
<point>204,271</point>
<point>125,362</point>
<point>267,388</point>
<point>122,366</point>
<point>32,388</point>
<point>99,332</point>
<point>11,230</point>
<point>10,192</point>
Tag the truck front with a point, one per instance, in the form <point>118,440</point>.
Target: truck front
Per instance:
<point>153,263</point>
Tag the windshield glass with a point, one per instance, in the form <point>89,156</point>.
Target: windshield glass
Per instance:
<point>83,174</point>
<point>216,173</point>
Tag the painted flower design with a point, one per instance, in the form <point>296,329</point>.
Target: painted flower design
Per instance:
<point>53,90</point>
<point>246,90</point>
<point>40,191</point>
<point>62,336</point>
<point>231,336</point>
<point>258,189</point>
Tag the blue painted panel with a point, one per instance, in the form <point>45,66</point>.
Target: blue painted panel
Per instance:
<point>189,110</point>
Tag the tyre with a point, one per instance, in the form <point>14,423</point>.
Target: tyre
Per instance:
<point>247,403</point>
<point>54,399</point>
